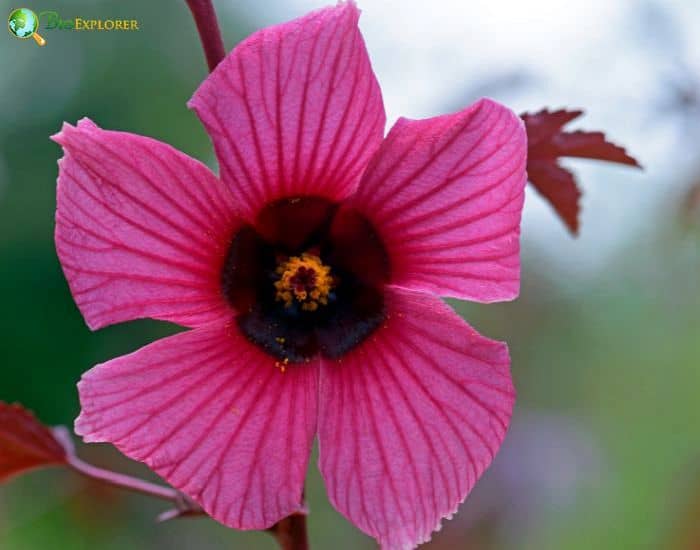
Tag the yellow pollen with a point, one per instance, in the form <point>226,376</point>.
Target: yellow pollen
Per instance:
<point>303,279</point>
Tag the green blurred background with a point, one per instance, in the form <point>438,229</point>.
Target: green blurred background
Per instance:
<point>604,450</point>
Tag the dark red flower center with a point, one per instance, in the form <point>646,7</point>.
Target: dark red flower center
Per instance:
<point>306,278</point>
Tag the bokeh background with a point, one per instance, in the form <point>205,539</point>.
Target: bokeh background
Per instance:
<point>604,449</point>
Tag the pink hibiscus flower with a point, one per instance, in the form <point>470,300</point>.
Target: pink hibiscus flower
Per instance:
<point>309,274</point>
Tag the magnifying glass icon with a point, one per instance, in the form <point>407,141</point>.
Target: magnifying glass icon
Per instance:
<point>23,23</point>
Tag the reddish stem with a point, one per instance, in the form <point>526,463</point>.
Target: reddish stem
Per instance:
<point>123,481</point>
<point>291,533</point>
<point>209,31</point>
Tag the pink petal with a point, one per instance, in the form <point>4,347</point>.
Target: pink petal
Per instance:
<point>211,414</point>
<point>294,110</point>
<point>446,194</point>
<point>141,229</point>
<point>409,420</point>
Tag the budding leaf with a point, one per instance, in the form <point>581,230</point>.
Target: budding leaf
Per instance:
<point>548,142</point>
<point>25,443</point>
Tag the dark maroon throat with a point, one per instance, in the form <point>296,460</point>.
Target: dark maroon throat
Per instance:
<point>306,279</point>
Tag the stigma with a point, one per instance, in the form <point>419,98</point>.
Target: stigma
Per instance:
<point>303,280</point>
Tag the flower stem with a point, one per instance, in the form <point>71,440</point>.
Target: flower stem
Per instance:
<point>209,31</point>
<point>184,505</point>
<point>291,533</point>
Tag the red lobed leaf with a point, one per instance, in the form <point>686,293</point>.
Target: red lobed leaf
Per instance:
<point>541,126</point>
<point>548,142</point>
<point>25,443</point>
<point>558,186</point>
